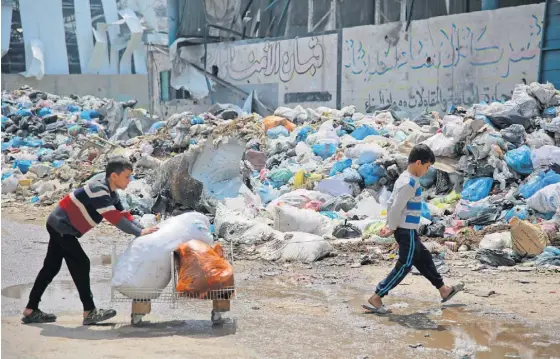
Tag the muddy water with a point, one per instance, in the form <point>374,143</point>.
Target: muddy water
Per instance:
<point>423,325</point>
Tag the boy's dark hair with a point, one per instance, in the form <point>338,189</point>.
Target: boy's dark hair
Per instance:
<point>117,165</point>
<point>421,153</point>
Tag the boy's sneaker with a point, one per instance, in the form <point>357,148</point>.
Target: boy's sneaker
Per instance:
<point>98,315</point>
<point>38,316</point>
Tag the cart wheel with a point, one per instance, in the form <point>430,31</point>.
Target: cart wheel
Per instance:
<point>216,318</point>
<point>136,319</point>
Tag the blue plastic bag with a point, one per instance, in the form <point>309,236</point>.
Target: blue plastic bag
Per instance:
<point>17,142</point>
<point>267,194</point>
<point>371,173</point>
<point>44,111</point>
<point>6,175</point>
<point>33,142</point>
<point>302,134</point>
<point>475,189</point>
<point>340,166</point>
<point>550,255</point>
<point>341,133</point>
<point>541,181</point>
<point>197,120</point>
<point>277,131</point>
<point>23,165</point>
<point>58,163</point>
<point>363,131</point>
<point>330,214</point>
<point>193,141</point>
<point>73,108</point>
<point>24,112</point>
<point>519,160</point>
<point>324,150</point>
<point>90,114</point>
<point>280,177</point>
<point>429,178</point>
<point>549,112</point>
<point>156,126</point>
<point>521,212</point>
<point>6,145</point>
<point>35,199</point>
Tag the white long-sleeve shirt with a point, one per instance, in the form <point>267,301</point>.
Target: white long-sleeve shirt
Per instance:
<point>404,208</point>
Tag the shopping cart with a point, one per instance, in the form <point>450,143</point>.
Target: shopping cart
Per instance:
<point>143,298</point>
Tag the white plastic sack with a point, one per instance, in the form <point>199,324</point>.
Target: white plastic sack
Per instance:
<point>528,105</point>
<point>326,134</point>
<point>368,207</point>
<point>10,184</point>
<point>497,241</point>
<point>292,219</point>
<point>545,156</point>
<point>441,145</point>
<point>546,200</point>
<point>538,139</point>
<point>296,246</point>
<point>545,93</point>
<point>235,227</point>
<point>298,198</point>
<point>144,269</point>
<point>364,152</point>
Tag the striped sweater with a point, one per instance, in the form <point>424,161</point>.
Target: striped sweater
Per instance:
<point>405,205</point>
<point>83,209</point>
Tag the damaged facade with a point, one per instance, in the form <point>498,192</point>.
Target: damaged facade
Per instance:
<point>417,54</point>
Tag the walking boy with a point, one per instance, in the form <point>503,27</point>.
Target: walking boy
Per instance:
<point>403,219</point>
<point>75,215</point>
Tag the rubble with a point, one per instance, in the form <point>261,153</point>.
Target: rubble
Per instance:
<point>292,185</point>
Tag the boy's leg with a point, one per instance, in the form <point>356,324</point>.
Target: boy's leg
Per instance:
<point>79,266</point>
<point>407,246</point>
<point>51,267</point>
<point>424,262</point>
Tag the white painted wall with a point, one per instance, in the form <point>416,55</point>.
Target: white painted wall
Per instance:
<point>303,65</point>
<point>473,57</point>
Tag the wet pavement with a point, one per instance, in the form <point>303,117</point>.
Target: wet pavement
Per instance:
<point>276,315</point>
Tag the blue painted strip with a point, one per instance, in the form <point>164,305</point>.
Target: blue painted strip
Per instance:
<point>412,219</point>
<point>400,272</point>
<point>414,206</point>
<point>412,182</point>
<point>418,192</point>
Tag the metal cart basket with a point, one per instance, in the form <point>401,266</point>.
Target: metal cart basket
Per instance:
<point>143,299</point>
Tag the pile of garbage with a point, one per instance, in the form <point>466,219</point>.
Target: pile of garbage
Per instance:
<point>289,185</point>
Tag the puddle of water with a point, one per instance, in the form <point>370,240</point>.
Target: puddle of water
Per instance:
<point>453,327</point>
<point>56,290</point>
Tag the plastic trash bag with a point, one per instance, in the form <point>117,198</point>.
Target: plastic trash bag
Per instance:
<point>203,269</point>
<point>343,203</point>
<point>429,178</point>
<point>340,166</point>
<point>335,186</point>
<point>545,156</point>
<point>494,258</point>
<point>475,189</point>
<point>297,246</point>
<point>23,165</point>
<point>436,230</point>
<point>197,120</point>
<point>351,175</point>
<point>292,219</point>
<point>346,230</point>
<point>515,134</point>
<point>275,121</point>
<point>156,126</point>
<point>371,173</point>
<point>550,256</point>
<point>10,184</point>
<point>277,132</point>
<point>364,153</point>
<point>546,200</point>
<point>441,145</point>
<point>280,177</point>
<point>538,139</point>
<point>303,133</point>
<point>44,111</point>
<point>538,182</point>
<point>324,150</point>
<point>496,241</point>
<point>363,131</point>
<point>142,270</point>
<point>521,212</point>
<point>519,160</point>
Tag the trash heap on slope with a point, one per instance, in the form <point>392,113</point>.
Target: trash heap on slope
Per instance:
<point>293,182</point>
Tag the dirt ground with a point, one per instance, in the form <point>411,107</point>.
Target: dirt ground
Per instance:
<point>283,310</point>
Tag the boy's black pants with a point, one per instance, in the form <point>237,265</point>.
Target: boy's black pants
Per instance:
<point>68,248</point>
<point>411,253</point>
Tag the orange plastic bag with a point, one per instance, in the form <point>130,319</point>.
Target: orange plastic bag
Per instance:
<point>275,121</point>
<point>203,269</point>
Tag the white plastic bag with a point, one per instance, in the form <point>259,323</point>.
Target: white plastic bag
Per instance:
<point>305,247</point>
<point>441,145</point>
<point>10,184</point>
<point>545,156</point>
<point>292,219</point>
<point>497,241</point>
<point>298,198</point>
<point>144,269</point>
<point>539,139</point>
<point>546,200</point>
<point>364,153</point>
<point>335,186</point>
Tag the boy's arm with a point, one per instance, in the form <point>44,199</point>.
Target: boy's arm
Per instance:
<point>126,214</point>
<point>108,210</point>
<point>401,196</point>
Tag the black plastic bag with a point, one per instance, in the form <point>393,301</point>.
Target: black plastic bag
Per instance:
<point>494,258</point>
<point>346,230</point>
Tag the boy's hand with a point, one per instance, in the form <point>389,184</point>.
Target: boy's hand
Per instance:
<point>385,232</point>
<point>150,230</point>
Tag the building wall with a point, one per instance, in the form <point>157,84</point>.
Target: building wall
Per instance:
<point>118,87</point>
<point>459,59</point>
